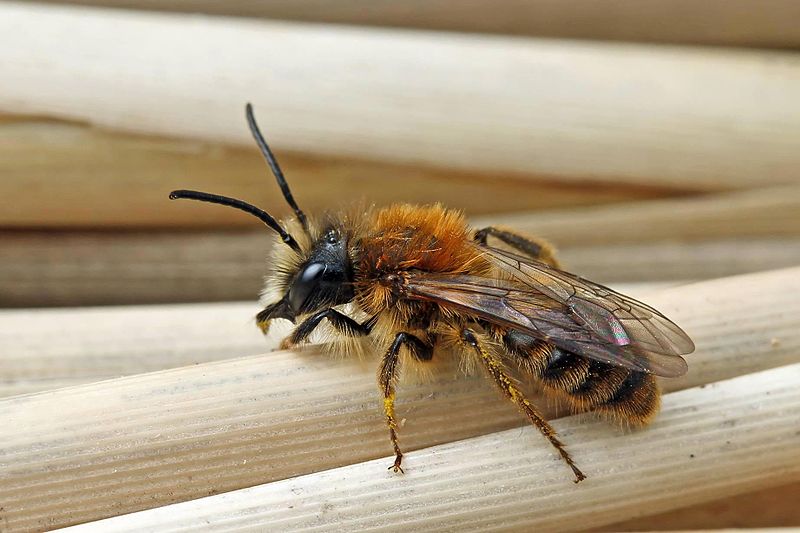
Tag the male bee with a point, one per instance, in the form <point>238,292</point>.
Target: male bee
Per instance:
<point>421,284</point>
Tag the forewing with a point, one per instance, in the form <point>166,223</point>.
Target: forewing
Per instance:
<point>569,312</point>
<point>604,309</point>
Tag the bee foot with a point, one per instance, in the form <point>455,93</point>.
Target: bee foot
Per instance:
<point>396,466</point>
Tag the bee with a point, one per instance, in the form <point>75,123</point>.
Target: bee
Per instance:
<point>421,285</point>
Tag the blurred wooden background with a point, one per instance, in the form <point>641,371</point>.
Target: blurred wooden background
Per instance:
<point>654,142</point>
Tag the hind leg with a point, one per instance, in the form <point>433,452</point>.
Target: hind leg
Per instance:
<point>387,378</point>
<point>536,248</point>
<point>496,369</point>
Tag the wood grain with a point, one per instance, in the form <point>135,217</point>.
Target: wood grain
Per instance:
<point>80,268</point>
<point>719,22</point>
<point>99,343</point>
<point>706,119</point>
<point>66,175</point>
<point>97,450</point>
<point>653,241</point>
<point>754,214</point>
<point>775,507</point>
<point>720,440</point>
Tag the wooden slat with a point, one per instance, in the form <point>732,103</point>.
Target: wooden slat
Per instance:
<point>654,241</point>
<point>93,344</point>
<point>681,261</point>
<point>67,175</point>
<point>98,343</point>
<point>101,449</point>
<point>710,442</point>
<point>67,269</point>
<point>770,508</point>
<point>720,22</point>
<point>755,214</point>
<point>705,119</point>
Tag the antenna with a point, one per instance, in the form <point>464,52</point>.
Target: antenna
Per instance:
<point>273,164</point>
<point>262,215</point>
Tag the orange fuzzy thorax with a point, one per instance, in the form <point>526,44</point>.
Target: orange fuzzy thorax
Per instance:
<point>428,238</point>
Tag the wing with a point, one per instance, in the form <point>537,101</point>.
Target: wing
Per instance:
<point>570,312</point>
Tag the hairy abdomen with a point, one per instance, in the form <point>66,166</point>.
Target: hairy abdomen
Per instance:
<point>623,394</point>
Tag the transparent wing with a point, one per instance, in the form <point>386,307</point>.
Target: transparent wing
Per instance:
<point>570,312</point>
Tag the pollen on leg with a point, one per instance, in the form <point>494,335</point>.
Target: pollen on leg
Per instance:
<point>388,409</point>
<point>494,365</point>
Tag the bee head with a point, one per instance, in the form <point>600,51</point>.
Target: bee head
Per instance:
<point>323,279</point>
<point>325,274</point>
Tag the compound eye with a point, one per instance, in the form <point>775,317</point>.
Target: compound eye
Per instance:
<point>306,283</point>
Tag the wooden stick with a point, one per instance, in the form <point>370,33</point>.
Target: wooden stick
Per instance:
<point>95,450</point>
<point>71,175</point>
<point>614,244</point>
<point>769,508</point>
<point>761,213</point>
<point>671,117</point>
<point>97,268</point>
<point>109,179</point>
<point>680,261</point>
<point>54,348</point>
<point>718,22</point>
<point>100,343</point>
<point>710,442</point>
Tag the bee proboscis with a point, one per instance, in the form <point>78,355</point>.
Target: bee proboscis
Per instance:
<point>421,284</point>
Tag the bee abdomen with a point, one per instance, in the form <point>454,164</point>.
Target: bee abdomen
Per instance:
<point>636,401</point>
<point>586,384</point>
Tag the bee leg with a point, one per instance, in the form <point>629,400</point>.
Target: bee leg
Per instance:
<point>538,249</point>
<point>342,323</point>
<point>499,374</point>
<point>279,309</point>
<point>387,377</point>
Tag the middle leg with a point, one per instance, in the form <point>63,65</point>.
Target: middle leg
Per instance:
<point>387,379</point>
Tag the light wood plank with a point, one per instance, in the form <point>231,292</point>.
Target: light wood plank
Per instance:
<point>653,241</point>
<point>98,343</point>
<point>47,349</point>
<point>719,22</point>
<point>101,449</point>
<point>775,507</point>
<point>723,439</point>
<point>753,214</point>
<point>66,175</point>
<point>84,268</point>
<point>707,119</point>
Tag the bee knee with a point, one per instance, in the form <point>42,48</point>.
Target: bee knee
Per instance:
<point>468,337</point>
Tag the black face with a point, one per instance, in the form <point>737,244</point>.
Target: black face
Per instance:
<point>323,281</point>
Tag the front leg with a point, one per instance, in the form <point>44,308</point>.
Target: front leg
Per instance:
<point>387,378</point>
<point>342,323</point>
<point>537,249</point>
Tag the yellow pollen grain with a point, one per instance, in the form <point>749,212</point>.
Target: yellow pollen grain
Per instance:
<point>388,406</point>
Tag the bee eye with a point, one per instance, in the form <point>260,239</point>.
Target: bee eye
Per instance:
<point>305,284</point>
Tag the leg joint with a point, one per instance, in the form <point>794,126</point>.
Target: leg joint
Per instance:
<point>468,337</point>
<point>342,323</point>
<point>417,348</point>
